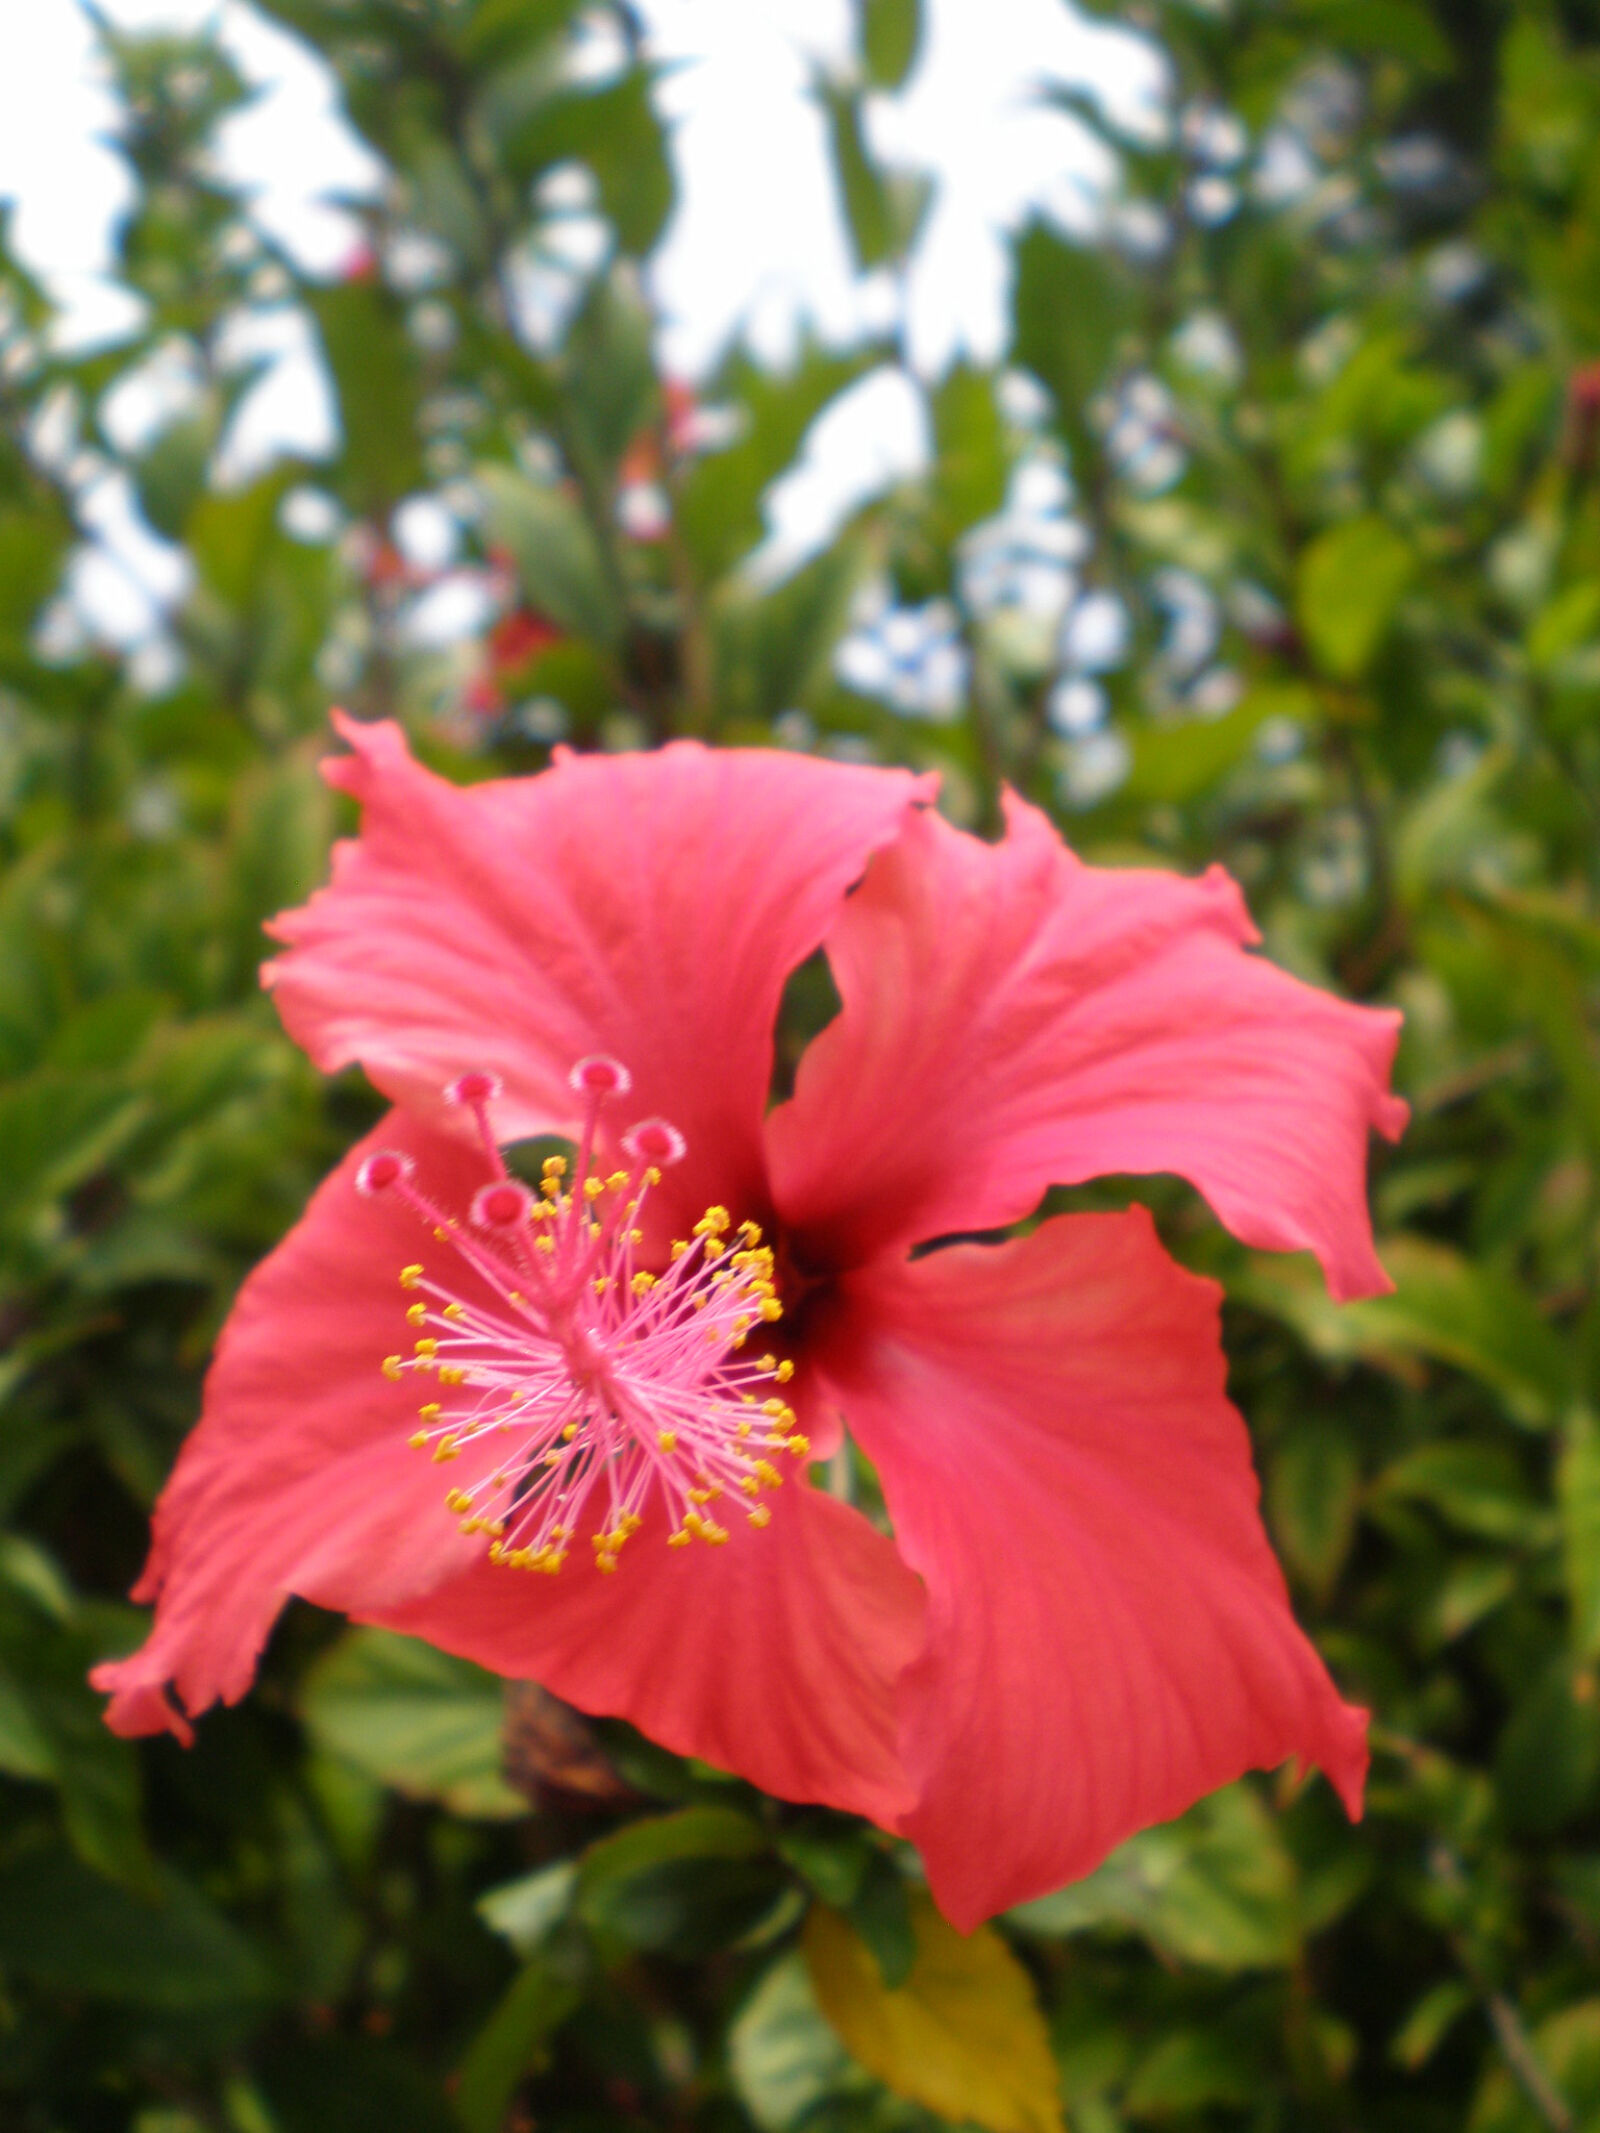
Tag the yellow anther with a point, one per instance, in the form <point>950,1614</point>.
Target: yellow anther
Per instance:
<point>773,1407</point>
<point>680,1539</point>
<point>771,1308</point>
<point>454,1311</point>
<point>457,1500</point>
<point>551,1188</point>
<point>496,1526</point>
<point>693,1523</point>
<point>418,1440</point>
<point>751,1232</point>
<point>784,1371</point>
<point>700,1301</point>
<point>446,1448</point>
<point>554,1166</point>
<point>713,1222</point>
<point>750,1485</point>
<point>569,1432</point>
<point>699,1495</point>
<point>607,1563</point>
<point>715,1534</point>
<point>515,1296</point>
<point>668,1440</point>
<point>552,1459</point>
<point>642,1284</point>
<point>416,1314</point>
<point>679,1247</point>
<point>741,1429</point>
<point>799,1445</point>
<point>429,1411</point>
<point>451,1374</point>
<point>602,1282</point>
<point>769,1473</point>
<point>410,1276</point>
<point>760,1516</point>
<point>652,1176</point>
<point>427,1349</point>
<point>544,1244</point>
<point>593,1188</point>
<point>443,1235</point>
<point>636,1236</point>
<point>390,1366</point>
<point>617,1182</point>
<point>496,1552</point>
<point>629,1522</point>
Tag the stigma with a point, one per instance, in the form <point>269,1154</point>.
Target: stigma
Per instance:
<point>571,1386</point>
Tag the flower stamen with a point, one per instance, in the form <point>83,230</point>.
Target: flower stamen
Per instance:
<point>583,1389</point>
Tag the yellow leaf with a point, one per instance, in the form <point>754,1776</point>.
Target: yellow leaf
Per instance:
<point>963,2036</point>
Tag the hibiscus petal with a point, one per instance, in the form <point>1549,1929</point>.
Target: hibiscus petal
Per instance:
<point>1109,1635</point>
<point>1014,1019</point>
<point>774,1656</point>
<point>298,1478</point>
<point>646,906</point>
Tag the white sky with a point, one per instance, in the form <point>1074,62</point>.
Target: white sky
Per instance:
<point>756,246</point>
<point>757,239</point>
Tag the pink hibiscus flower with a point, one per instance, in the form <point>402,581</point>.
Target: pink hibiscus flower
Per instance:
<point>443,1380</point>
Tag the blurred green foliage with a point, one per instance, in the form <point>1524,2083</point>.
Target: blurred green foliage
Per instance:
<point>1274,539</point>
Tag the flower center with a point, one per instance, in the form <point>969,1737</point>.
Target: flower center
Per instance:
<point>574,1383</point>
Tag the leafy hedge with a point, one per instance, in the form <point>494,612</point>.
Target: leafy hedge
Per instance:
<point>1309,434</point>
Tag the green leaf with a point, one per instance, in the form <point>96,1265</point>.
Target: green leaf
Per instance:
<point>419,1720</point>
<point>608,368</point>
<point>525,1912</point>
<point>1478,1487</point>
<point>719,504</point>
<point>1548,1761</point>
<point>1445,1307</point>
<point>963,2036</point>
<point>615,130</point>
<point>883,211</point>
<point>1216,1887</point>
<point>557,556</point>
<point>773,648</point>
<point>375,374</point>
<point>833,1855</point>
<point>1562,625</point>
<point>970,467</point>
<point>686,1882</point>
<point>1072,305</point>
<point>66,1928</point>
<point>784,2057</point>
<point>1178,763</point>
<point>890,32</point>
<point>510,2045</point>
<point>1578,1496</point>
<point>1429,2022</point>
<point>1313,1493</point>
<point>25,1752</point>
<point>1191,2070</point>
<point>881,1912</point>
<point>1349,583</point>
